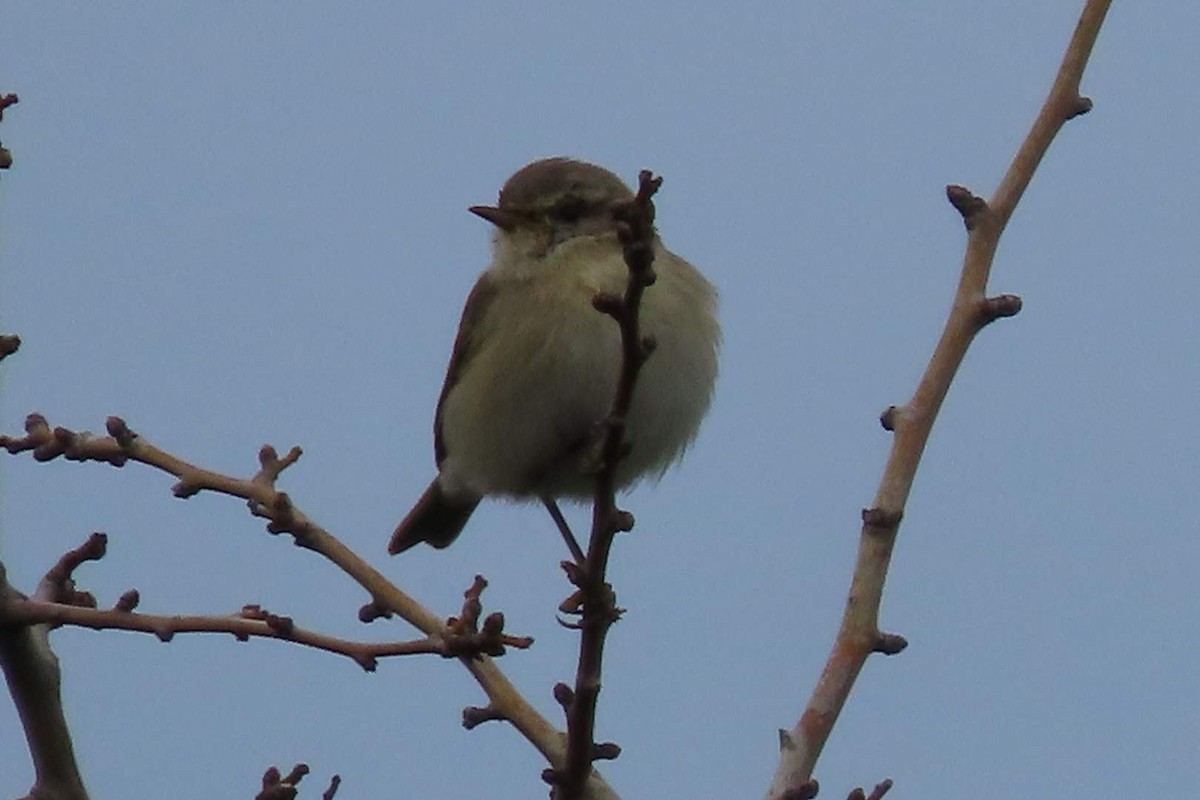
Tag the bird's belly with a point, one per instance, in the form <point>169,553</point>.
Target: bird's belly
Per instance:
<point>527,426</point>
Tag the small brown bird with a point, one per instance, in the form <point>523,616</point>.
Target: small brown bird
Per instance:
<point>535,365</point>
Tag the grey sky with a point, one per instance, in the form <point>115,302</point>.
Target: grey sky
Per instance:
<point>240,224</point>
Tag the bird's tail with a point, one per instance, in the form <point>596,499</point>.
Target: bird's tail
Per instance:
<point>435,518</point>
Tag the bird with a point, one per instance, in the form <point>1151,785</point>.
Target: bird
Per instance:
<point>534,367</point>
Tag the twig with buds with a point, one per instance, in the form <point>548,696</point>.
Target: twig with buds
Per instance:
<point>859,635</point>
<point>277,786</point>
<point>594,600</point>
<point>123,445</point>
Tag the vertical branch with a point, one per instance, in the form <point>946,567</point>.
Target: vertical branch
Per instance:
<point>32,673</point>
<point>595,597</point>
<point>859,635</point>
<point>35,680</point>
<point>30,667</point>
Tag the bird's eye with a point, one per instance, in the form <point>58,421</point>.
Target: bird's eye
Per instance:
<point>569,209</point>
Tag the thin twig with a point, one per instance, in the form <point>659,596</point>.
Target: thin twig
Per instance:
<point>595,598</point>
<point>859,635</point>
<point>250,623</point>
<point>276,786</point>
<point>123,445</point>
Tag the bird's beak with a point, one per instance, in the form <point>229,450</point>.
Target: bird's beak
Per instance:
<point>505,220</point>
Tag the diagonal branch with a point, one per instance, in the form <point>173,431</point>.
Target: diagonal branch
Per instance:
<point>859,635</point>
<point>123,445</point>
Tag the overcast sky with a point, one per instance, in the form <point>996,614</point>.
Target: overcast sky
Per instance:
<point>244,223</point>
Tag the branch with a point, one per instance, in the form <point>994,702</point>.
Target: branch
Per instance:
<point>859,635</point>
<point>276,786</point>
<point>251,622</point>
<point>877,793</point>
<point>462,639</point>
<point>594,599</point>
<point>34,680</point>
<point>123,445</point>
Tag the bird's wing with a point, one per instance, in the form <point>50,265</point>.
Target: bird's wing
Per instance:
<point>469,329</point>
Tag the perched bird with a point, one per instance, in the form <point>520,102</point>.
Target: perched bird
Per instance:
<point>535,365</point>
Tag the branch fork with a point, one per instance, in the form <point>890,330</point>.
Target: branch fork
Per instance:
<point>122,445</point>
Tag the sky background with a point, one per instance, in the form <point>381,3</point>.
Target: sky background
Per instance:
<point>243,223</point>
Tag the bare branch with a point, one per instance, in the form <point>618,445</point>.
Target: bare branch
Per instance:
<point>859,635</point>
<point>252,622</point>
<point>880,789</point>
<point>464,637</point>
<point>278,787</point>
<point>595,601</point>
<point>123,445</point>
<point>32,673</point>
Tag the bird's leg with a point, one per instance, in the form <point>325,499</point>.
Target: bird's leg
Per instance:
<point>564,529</point>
